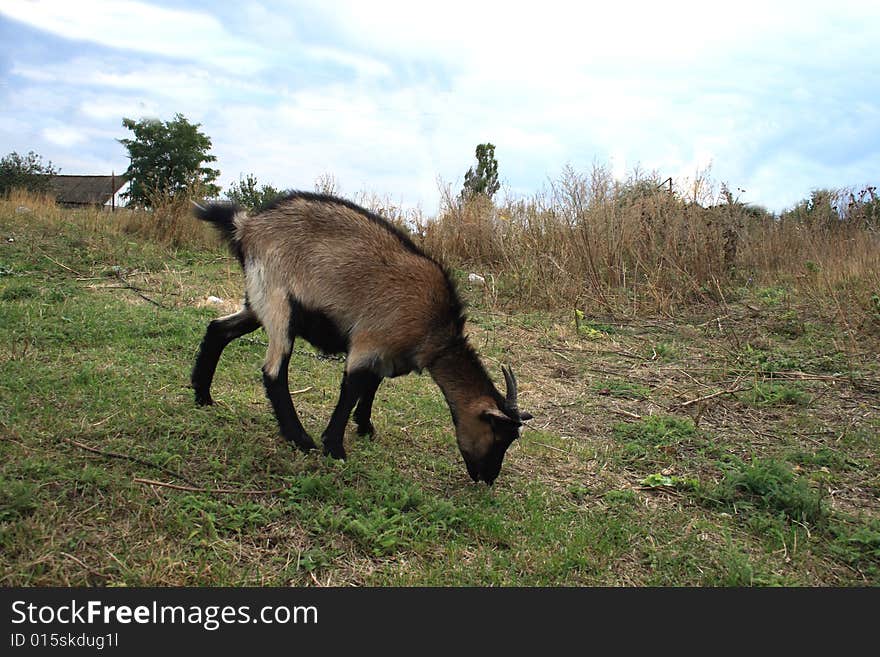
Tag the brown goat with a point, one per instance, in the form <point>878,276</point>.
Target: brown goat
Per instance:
<point>347,281</point>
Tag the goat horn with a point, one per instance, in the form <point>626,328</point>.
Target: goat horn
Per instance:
<point>510,380</point>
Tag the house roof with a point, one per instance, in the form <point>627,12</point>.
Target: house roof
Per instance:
<point>93,190</point>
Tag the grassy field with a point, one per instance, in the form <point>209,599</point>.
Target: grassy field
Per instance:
<point>736,444</point>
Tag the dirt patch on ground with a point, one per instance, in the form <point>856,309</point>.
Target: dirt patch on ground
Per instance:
<point>756,392</point>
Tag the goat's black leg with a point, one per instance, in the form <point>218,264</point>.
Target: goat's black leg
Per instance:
<point>354,385</point>
<point>219,334</point>
<point>365,409</point>
<point>278,393</point>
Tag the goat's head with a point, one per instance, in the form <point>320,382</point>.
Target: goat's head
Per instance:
<point>486,428</point>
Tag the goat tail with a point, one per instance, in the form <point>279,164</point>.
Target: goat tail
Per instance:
<point>222,215</point>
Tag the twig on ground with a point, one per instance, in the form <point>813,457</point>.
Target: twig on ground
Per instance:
<point>134,459</point>
<point>213,491</point>
<point>83,565</point>
<point>687,374</point>
<point>714,319</point>
<point>130,287</point>
<point>858,382</point>
<point>138,292</point>
<point>729,391</point>
<point>601,371</point>
<point>555,449</point>
<point>626,354</point>
<point>61,264</point>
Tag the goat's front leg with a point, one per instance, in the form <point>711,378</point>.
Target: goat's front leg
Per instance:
<point>278,392</point>
<point>364,410</point>
<point>354,385</point>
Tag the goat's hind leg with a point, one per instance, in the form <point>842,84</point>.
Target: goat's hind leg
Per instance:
<point>220,333</point>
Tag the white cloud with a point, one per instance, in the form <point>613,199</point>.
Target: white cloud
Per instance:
<point>159,79</point>
<point>104,108</point>
<point>329,130</point>
<point>361,64</point>
<point>64,136</point>
<point>389,96</point>
<point>141,27</point>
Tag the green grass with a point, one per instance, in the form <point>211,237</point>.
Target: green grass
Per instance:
<point>810,352</point>
<point>767,484</point>
<point>824,457</point>
<point>583,499</point>
<point>765,394</point>
<point>656,441</point>
<point>622,389</point>
<point>857,543</point>
<point>772,296</point>
<point>656,430</point>
<point>664,351</point>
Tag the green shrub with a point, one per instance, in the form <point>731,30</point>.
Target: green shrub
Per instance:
<point>770,485</point>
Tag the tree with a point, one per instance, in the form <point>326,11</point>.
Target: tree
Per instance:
<point>167,159</point>
<point>483,180</point>
<point>820,209</point>
<point>25,172</point>
<point>247,194</point>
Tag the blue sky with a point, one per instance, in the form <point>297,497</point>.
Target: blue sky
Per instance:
<point>389,97</point>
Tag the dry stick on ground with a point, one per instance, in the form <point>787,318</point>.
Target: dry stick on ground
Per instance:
<point>129,287</point>
<point>619,411</point>
<point>555,449</point>
<point>82,564</point>
<point>860,383</point>
<point>60,264</point>
<point>712,396</point>
<point>138,292</point>
<point>213,491</point>
<point>135,459</point>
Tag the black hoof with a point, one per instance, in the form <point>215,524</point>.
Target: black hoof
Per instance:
<point>366,429</point>
<point>305,444</point>
<point>336,450</point>
<point>204,399</point>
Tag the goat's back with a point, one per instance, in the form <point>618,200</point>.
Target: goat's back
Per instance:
<point>336,258</point>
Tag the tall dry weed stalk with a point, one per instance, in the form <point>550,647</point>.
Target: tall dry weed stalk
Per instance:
<point>590,239</point>
<point>169,220</point>
<point>44,209</point>
<point>629,247</point>
<point>592,242</point>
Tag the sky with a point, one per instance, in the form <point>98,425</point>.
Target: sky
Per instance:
<point>773,98</point>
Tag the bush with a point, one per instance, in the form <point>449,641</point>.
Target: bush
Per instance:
<point>247,194</point>
<point>771,485</point>
<point>25,172</point>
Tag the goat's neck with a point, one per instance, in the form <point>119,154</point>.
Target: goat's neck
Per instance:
<point>462,378</point>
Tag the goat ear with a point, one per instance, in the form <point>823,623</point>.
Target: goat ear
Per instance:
<point>525,415</point>
<point>498,416</point>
